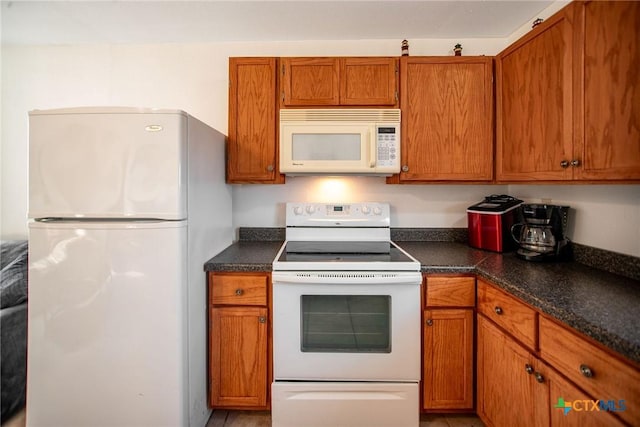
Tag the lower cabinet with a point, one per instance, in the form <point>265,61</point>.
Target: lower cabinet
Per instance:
<point>517,388</point>
<point>571,407</point>
<point>505,379</point>
<point>535,372</point>
<point>612,382</point>
<point>447,382</point>
<point>238,341</point>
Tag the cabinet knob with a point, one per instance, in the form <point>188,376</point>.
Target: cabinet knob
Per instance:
<point>429,322</point>
<point>586,371</point>
<point>539,377</point>
<point>262,319</point>
<point>564,164</point>
<point>270,168</point>
<point>405,168</point>
<point>528,369</point>
<point>575,163</point>
<point>239,292</point>
<point>498,310</point>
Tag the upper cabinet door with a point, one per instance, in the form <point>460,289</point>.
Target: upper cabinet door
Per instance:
<point>322,82</point>
<point>368,81</point>
<point>447,119</point>
<point>534,96</point>
<point>310,81</point>
<point>252,150</point>
<point>607,143</point>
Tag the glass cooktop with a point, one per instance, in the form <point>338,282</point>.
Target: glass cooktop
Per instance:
<point>315,251</point>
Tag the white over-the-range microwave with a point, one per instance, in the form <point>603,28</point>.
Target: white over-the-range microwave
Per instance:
<point>340,141</point>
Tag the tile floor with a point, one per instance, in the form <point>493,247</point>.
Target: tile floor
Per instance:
<point>263,419</point>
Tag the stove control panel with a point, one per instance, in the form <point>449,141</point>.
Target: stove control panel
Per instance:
<point>361,214</point>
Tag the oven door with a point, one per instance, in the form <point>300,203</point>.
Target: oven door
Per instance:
<point>346,326</point>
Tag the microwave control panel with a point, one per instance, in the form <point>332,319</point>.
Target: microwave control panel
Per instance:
<point>388,146</point>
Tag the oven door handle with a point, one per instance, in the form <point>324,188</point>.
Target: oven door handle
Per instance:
<point>358,278</point>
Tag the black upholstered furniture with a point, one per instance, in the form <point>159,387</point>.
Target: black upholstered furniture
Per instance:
<point>13,326</point>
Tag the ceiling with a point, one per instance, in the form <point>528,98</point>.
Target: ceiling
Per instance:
<point>185,21</point>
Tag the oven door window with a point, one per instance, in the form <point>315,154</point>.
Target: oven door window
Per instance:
<point>346,323</point>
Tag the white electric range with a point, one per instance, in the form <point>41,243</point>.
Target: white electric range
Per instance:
<point>346,320</point>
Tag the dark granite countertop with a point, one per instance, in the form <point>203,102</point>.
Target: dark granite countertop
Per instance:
<point>599,304</point>
<point>245,256</point>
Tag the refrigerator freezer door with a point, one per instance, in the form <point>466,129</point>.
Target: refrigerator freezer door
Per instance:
<point>107,164</point>
<point>107,332</point>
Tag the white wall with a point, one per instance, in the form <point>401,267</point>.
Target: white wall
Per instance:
<point>603,216</point>
<point>194,78</point>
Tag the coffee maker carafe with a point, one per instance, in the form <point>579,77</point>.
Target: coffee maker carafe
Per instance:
<point>541,234</point>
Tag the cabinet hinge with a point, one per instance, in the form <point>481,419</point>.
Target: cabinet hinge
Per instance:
<point>397,96</point>
<point>282,96</point>
<point>283,69</point>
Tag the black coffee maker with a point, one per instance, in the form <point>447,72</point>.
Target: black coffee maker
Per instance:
<point>541,232</point>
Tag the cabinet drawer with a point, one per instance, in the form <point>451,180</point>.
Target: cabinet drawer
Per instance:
<point>451,292</point>
<point>239,289</point>
<point>515,317</point>
<point>601,375</point>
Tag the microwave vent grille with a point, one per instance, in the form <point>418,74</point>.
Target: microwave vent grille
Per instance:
<point>341,115</point>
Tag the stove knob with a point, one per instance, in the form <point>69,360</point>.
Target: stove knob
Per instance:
<point>377,211</point>
<point>298,210</point>
<point>311,209</point>
<point>366,210</point>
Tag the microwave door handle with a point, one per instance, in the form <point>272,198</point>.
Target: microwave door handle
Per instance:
<point>372,151</point>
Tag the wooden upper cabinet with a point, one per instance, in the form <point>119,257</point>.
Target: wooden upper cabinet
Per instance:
<point>368,81</point>
<point>252,149</point>
<point>310,81</point>
<point>447,119</point>
<point>567,97</point>
<point>318,82</point>
<point>534,125</point>
<point>608,91</point>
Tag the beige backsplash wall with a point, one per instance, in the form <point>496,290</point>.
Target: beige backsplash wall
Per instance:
<point>604,216</point>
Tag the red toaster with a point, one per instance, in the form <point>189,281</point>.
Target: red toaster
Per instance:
<point>490,222</point>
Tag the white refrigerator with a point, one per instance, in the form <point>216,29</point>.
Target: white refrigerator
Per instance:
<point>125,206</point>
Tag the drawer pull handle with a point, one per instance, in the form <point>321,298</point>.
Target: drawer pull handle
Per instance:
<point>429,322</point>
<point>539,377</point>
<point>528,368</point>
<point>262,319</point>
<point>498,310</point>
<point>586,371</point>
<point>239,292</point>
